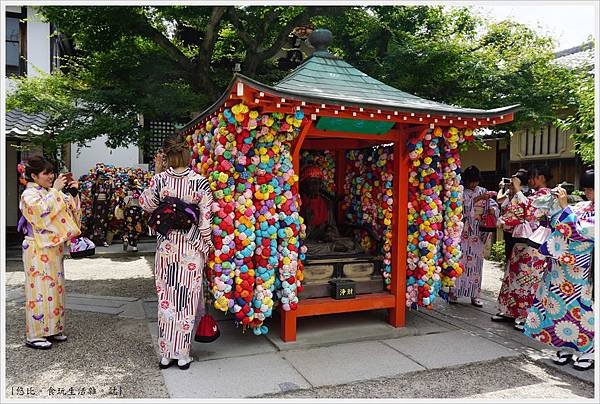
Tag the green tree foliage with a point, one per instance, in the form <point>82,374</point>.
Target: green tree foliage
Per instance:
<point>171,62</point>
<point>581,120</point>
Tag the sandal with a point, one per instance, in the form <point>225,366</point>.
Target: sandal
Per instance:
<point>502,318</point>
<point>583,363</point>
<point>185,365</point>
<point>562,358</point>
<point>477,302</point>
<point>162,365</point>
<point>58,338</point>
<point>519,325</point>
<point>38,343</point>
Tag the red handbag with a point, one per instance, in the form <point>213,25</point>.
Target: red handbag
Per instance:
<point>207,330</point>
<point>488,221</point>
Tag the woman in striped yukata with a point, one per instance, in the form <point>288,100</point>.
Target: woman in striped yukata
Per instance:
<point>180,257</point>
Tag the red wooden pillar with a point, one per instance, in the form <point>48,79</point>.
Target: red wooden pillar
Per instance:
<point>397,316</point>
<point>297,146</point>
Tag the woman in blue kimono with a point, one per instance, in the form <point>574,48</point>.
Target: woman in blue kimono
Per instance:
<point>562,313</point>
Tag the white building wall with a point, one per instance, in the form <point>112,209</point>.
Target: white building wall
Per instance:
<point>97,152</point>
<point>38,44</point>
<point>12,197</point>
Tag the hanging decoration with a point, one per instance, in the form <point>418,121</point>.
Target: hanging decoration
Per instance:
<point>257,229</point>
<point>435,215</point>
<point>323,159</point>
<point>368,198</point>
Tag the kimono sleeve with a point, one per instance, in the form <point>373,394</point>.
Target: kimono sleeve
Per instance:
<point>150,197</point>
<point>41,209</point>
<point>74,207</point>
<point>199,234</point>
<point>575,228</point>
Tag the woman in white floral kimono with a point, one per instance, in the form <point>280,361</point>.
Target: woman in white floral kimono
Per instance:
<point>562,313</point>
<point>180,257</point>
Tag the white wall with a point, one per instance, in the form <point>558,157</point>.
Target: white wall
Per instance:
<point>97,151</point>
<point>38,44</point>
<point>12,199</point>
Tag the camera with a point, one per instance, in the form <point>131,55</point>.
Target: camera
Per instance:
<point>505,181</point>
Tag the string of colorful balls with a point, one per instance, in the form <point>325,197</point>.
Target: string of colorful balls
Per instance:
<point>257,229</point>
<point>368,197</point>
<point>323,159</point>
<point>435,215</point>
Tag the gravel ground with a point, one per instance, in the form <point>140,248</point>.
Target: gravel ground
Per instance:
<point>114,356</point>
<point>125,277</point>
<point>503,379</point>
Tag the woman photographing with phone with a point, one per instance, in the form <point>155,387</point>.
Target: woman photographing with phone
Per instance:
<point>525,265</point>
<point>52,219</point>
<point>562,313</point>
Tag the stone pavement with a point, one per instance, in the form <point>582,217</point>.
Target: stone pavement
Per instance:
<point>115,250</point>
<point>332,349</point>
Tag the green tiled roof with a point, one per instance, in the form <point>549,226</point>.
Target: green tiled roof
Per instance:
<point>331,78</point>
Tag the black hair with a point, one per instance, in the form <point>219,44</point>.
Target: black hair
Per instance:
<point>522,174</point>
<point>587,179</point>
<point>36,165</point>
<point>542,170</point>
<point>471,174</point>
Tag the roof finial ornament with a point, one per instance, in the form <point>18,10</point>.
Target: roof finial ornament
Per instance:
<point>321,39</point>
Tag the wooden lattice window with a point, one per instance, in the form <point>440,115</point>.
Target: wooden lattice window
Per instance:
<point>159,131</point>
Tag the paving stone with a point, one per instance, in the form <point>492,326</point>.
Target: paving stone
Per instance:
<point>95,309</point>
<point>234,377</point>
<point>112,298</point>
<point>449,348</point>
<point>347,363</point>
<point>133,310</point>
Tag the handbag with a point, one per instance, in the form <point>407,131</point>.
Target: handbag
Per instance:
<point>207,330</point>
<point>538,237</point>
<point>488,221</point>
<point>82,247</point>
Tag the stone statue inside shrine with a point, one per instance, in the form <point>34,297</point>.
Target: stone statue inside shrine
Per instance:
<point>318,210</point>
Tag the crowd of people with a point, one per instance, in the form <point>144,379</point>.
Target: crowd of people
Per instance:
<point>110,204</point>
<point>547,290</point>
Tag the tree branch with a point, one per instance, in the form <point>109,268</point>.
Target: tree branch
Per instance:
<point>210,36</point>
<point>300,19</point>
<point>248,40</point>
<point>164,42</point>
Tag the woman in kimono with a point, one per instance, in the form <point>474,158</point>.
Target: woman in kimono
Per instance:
<point>562,313</point>
<point>133,216</point>
<point>52,220</point>
<point>100,209</point>
<point>525,265</point>
<point>181,256</point>
<point>473,239</point>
